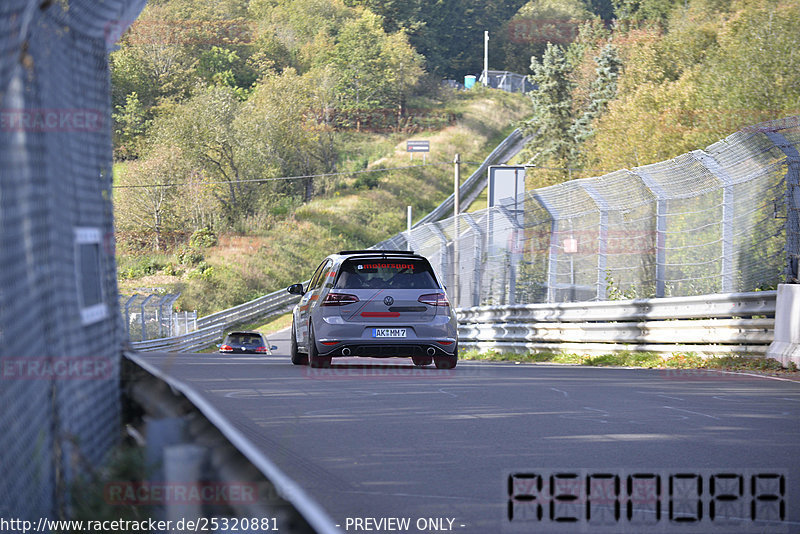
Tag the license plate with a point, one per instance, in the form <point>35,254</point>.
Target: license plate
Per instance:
<point>388,332</point>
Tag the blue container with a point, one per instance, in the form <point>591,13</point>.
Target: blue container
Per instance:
<point>469,81</point>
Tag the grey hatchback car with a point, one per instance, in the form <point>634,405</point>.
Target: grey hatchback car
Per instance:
<point>374,303</point>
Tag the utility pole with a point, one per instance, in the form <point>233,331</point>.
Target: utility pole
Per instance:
<point>486,58</point>
<point>456,210</point>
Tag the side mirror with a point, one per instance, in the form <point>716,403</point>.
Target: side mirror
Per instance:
<point>219,345</point>
<point>273,347</point>
<point>295,289</point>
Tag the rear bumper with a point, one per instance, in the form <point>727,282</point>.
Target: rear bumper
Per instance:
<point>384,349</point>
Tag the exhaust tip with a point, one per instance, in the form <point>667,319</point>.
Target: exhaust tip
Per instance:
<point>345,352</point>
<point>431,351</point>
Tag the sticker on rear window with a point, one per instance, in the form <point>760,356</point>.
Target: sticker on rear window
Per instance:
<point>398,266</point>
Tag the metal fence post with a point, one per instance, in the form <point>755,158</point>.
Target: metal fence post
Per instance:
<point>552,258</point>
<point>144,323</point>
<point>478,259</point>
<point>661,229</point>
<point>728,246</point>
<point>602,238</point>
<point>128,315</point>
<point>513,255</point>
<point>434,227</point>
<point>792,204</point>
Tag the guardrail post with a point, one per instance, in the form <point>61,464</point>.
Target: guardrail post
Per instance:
<point>786,346</point>
<point>183,465</point>
<point>661,229</point>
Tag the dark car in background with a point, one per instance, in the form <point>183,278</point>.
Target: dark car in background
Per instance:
<point>245,342</point>
<point>374,303</point>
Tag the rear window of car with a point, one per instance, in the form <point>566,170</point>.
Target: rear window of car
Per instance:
<point>395,273</point>
<point>243,339</point>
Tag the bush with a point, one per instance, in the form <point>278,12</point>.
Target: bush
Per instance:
<point>190,256</point>
<point>137,267</point>
<point>203,238</point>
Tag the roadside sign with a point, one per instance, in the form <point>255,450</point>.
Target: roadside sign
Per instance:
<point>418,146</point>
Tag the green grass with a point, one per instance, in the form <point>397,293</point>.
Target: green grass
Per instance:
<point>677,360</point>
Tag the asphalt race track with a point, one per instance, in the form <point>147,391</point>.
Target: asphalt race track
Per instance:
<point>499,447</point>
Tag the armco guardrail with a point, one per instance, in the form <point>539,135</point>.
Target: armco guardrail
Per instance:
<point>736,323</point>
<point>211,327</point>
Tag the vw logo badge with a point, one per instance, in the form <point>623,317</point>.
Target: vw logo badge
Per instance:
<point>388,301</point>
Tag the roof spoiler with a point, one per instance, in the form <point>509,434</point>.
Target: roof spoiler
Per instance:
<point>384,252</point>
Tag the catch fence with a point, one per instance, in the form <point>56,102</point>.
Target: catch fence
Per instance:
<point>151,316</point>
<point>510,82</point>
<point>719,220</point>
<point>60,331</point>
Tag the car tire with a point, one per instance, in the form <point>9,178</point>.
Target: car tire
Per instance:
<point>422,361</point>
<point>298,358</point>
<point>314,359</point>
<point>447,362</point>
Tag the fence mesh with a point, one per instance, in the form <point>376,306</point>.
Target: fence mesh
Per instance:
<point>151,316</point>
<point>508,81</point>
<point>60,332</point>
<point>719,220</point>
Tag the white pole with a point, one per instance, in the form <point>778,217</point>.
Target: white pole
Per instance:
<point>486,58</point>
<point>456,210</point>
<point>408,228</point>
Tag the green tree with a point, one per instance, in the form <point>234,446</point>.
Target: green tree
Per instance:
<point>536,23</point>
<point>375,70</point>
<point>130,125</point>
<point>281,137</point>
<point>448,34</point>
<point>603,90</point>
<point>146,201</point>
<point>551,119</point>
<point>637,11</point>
<point>221,66</point>
<point>204,129</point>
<point>361,66</point>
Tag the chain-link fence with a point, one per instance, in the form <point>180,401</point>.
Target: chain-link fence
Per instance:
<point>60,332</point>
<point>510,82</point>
<point>152,317</point>
<point>719,220</point>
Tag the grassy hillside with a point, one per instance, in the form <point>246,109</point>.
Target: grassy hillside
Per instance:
<point>215,272</point>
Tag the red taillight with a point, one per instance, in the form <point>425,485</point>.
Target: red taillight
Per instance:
<point>339,299</point>
<point>434,299</point>
<point>329,342</point>
<point>261,349</point>
<point>225,348</point>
